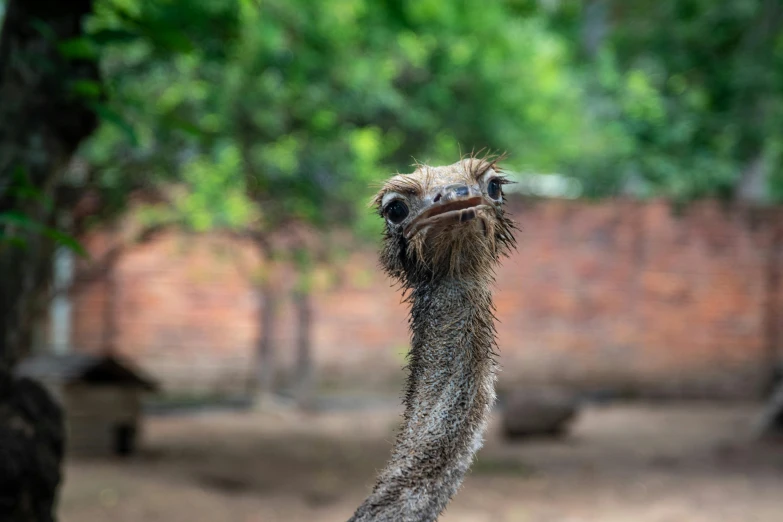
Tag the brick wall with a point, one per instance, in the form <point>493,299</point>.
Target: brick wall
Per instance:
<point>623,296</point>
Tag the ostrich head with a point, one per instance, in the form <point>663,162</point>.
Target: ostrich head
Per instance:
<point>444,222</point>
<point>445,232</point>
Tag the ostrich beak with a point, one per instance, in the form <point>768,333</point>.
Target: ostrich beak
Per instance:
<point>446,211</point>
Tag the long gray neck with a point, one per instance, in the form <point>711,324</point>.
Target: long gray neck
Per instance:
<point>449,395</point>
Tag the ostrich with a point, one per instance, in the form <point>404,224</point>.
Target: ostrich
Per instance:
<point>444,234</point>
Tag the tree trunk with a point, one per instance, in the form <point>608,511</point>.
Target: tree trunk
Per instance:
<point>266,360</point>
<point>304,350</point>
<point>41,124</point>
<point>266,369</point>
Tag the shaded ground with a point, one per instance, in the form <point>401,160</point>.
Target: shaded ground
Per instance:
<point>692,463</point>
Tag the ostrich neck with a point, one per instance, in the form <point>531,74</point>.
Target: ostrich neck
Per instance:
<point>449,394</point>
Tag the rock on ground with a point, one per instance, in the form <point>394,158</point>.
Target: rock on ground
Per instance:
<point>538,412</point>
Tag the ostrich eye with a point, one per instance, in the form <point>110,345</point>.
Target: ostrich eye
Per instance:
<point>396,211</point>
<point>493,189</point>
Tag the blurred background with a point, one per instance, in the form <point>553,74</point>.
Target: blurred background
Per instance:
<point>188,258</point>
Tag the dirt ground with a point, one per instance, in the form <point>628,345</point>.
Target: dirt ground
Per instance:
<point>622,463</point>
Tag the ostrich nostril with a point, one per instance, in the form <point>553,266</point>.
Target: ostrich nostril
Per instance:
<point>452,192</point>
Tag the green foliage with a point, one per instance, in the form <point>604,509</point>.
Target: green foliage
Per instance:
<point>696,87</point>
<point>320,101</point>
<point>15,224</point>
<point>220,201</point>
<point>290,110</point>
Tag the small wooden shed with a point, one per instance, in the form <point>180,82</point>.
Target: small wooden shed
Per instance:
<point>101,398</point>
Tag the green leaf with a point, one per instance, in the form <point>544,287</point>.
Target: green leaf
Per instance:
<point>175,122</point>
<point>17,218</point>
<point>168,38</point>
<point>87,89</point>
<point>13,240</point>
<point>23,221</point>
<point>79,49</point>
<point>44,29</point>
<point>109,115</point>
<point>112,36</point>
<point>65,240</point>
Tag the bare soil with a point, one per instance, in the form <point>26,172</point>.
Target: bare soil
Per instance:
<point>626,463</point>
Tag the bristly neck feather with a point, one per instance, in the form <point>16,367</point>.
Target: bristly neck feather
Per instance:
<point>449,395</point>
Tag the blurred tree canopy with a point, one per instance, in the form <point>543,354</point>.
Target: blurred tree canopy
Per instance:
<point>695,85</point>
<point>289,110</point>
<point>301,106</point>
<point>269,111</point>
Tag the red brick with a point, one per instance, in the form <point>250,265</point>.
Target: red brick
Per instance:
<point>618,294</point>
